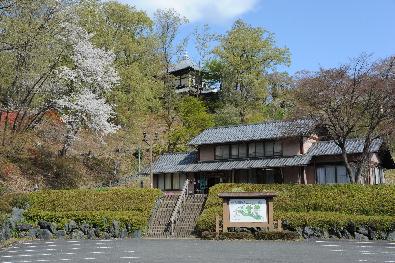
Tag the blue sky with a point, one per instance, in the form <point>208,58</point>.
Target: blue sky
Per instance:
<point>318,33</point>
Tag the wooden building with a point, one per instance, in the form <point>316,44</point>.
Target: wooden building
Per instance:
<point>265,153</point>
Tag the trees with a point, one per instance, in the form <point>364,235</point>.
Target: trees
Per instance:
<point>31,49</point>
<point>167,26</point>
<point>246,55</point>
<point>128,33</point>
<point>49,64</point>
<point>353,100</point>
<point>193,119</point>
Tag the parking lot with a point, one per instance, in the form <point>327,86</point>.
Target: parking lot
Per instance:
<point>146,250</point>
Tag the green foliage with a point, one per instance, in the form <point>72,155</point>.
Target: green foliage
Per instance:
<point>285,235</point>
<point>3,217</point>
<point>114,199</point>
<point>245,56</point>
<point>100,219</point>
<point>128,33</point>
<point>131,206</point>
<point>315,204</point>
<point>194,119</point>
<point>327,220</point>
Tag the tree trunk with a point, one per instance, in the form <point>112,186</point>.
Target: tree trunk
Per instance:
<point>349,169</point>
<point>71,134</point>
<point>362,164</point>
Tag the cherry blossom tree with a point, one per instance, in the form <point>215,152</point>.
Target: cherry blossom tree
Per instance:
<point>88,78</point>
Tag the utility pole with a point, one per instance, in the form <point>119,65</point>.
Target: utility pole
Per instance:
<point>150,142</point>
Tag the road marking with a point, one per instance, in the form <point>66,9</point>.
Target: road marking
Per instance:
<point>364,242</point>
<point>64,259</point>
<point>72,241</point>
<point>104,247</point>
<point>365,246</point>
<point>368,253</point>
<point>69,253</point>
<point>362,260</point>
<point>320,241</point>
<point>8,256</point>
<point>42,260</point>
<point>75,248</point>
<point>97,252</point>
<point>52,245</point>
<point>90,258</point>
<point>45,254</point>
<point>130,251</point>
<point>389,261</point>
<point>331,245</point>
<point>337,250</point>
<point>129,257</point>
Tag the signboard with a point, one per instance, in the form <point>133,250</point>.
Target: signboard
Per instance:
<point>247,210</point>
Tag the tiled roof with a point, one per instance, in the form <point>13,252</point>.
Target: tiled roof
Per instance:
<point>352,146</point>
<point>186,62</point>
<point>188,162</point>
<point>251,132</point>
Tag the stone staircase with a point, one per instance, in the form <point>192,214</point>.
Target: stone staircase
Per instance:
<point>184,226</point>
<point>191,209</point>
<point>160,218</point>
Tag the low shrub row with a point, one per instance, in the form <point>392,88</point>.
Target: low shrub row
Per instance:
<point>98,219</point>
<point>260,235</point>
<point>114,199</point>
<point>96,207</point>
<point>316,205</point>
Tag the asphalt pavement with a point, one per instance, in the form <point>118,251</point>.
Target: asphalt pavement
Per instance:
<point>193,250</point>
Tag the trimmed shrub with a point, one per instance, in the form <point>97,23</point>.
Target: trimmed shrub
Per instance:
<point>285,235</point>
<point>113,199</point>
<point>97,207</point>
<point>320,205</point>
<point>235,235</point>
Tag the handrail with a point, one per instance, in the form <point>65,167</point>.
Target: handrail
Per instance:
<point>177,209</point>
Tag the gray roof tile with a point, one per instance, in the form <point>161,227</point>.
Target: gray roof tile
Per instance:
<point>252,132</point>
<point>186,62</point>
<point>352,146</point>
<point>188,162</point>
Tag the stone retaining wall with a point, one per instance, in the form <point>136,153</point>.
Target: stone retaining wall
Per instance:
<point>15,226</point>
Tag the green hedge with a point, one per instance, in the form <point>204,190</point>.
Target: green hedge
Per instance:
<point>323,205</point>
<point>97,207</point>
<point>98,219</point>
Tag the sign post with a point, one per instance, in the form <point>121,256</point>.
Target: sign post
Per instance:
<point>244,209</point>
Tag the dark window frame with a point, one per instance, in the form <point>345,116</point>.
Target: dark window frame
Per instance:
<point>336,174</point>
<point>275,154</point>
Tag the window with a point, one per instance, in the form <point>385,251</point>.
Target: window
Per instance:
<point>234,151</point>
<point>278,149</point>
<point>251,150</point>
<point>222,152</point>
<point>260,150</point>
<point>242,151</point>
<point>269,149</point>
<point>168,185</point>
<point>378,175</point>
<point>176,181</point>
<point>161,182</point>
<point>332,174</point>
